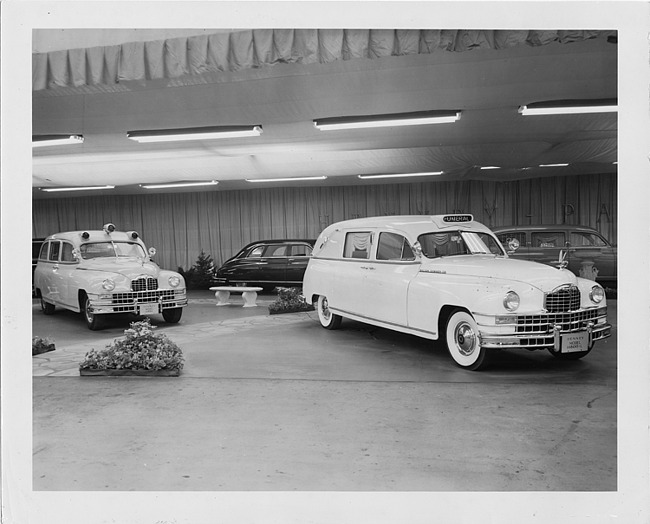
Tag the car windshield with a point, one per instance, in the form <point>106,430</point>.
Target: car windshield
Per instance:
<point>111,249</point>
<point>452,243</point>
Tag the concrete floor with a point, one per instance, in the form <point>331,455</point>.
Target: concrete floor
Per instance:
<point>278,403</point>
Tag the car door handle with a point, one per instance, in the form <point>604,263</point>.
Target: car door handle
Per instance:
<point>55,267</point>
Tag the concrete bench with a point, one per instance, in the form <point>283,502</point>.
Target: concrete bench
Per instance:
<point>249,294</point>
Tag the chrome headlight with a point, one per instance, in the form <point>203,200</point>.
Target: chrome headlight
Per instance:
<point>174,281</point>
<point>511,301</point>
<point>108,285</point>
<point>597,294</point>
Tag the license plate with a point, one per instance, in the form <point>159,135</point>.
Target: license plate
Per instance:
<point>149,309</point>
<point>575,342</point>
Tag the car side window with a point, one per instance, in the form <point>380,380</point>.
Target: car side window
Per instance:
<point>300,250</point>
<point>257,252</point>
<point>44,249</point>
<point>276,251</point>
<point>586,240</point>
<point>519,236</point>
<point>548,239</point>
<point>66,252</point>
<point>357,245</point>
<point>392,246</point>
<point>55,248</point>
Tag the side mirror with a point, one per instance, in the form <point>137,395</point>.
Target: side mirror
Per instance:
<point>76,254</point>
<point>152,251</point>
<point>417,249</point>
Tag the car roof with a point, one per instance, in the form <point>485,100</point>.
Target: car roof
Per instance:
<point>415,224</point>
<point>546,227</point>
<point>281,241</point>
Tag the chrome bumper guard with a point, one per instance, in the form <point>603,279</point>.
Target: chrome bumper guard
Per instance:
<point>130,302</point>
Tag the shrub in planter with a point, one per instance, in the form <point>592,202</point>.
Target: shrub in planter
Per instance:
<point>290,300</point>
<point>42,345</point>
<point>140,352</point>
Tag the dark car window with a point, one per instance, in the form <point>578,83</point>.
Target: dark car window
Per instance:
<point>580,239</point>
<point>519,236</point>
<point>43,254</point>
<point>548,239</point>
<point>300,250</point>
<point>55,247</point>
<point>66,253</point>
<point>256,252</point>
<point>276,251</point>
<point>392,246</point>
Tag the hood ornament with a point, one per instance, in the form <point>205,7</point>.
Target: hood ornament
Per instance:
<point>562,262</point>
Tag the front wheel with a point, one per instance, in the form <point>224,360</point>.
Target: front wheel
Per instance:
<point>463,341</point>
<point>172,315</point>
<point>93,321</point>
<point>327,319</point>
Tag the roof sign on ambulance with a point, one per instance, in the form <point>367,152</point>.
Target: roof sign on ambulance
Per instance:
<point>457,218</point>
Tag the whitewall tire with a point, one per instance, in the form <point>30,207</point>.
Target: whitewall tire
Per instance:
<point>327,319</point>
<point>463,341</point>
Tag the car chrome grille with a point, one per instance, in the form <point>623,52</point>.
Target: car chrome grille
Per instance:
<point>144,284</point>
<point>543,324</point>
<point>142,296</point>
<point>562,300</point>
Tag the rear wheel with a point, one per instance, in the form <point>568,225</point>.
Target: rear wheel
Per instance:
<point>46,307</point>
<point>93,321</point>
<point>327,319</point>
<point>463,341</point>
<point>172,315</point>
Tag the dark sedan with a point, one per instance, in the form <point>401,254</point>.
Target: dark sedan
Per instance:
<point>588,253</point>
<point>267,264</point>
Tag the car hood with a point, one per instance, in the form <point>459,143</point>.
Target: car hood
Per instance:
<point>542,276</point>
<point>127,266</point>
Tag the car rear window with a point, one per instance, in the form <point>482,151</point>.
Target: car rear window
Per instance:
<point>548,239</point>
<point>357,245</point>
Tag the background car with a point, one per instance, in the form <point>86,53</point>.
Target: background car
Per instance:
<point>585,248</point>
<point>267,264</point>
<point>104,272</point>
<point>36,249</point>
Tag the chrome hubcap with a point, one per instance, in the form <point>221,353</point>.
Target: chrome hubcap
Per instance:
<point>325,309</point>
<point>465,338</point>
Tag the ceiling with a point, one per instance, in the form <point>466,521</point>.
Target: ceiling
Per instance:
<point>486,84</point>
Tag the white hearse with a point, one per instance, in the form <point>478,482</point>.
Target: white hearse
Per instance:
<point>448,276</point>
<point>103,272</point>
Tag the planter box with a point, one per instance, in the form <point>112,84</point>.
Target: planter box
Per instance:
<point>129,372</point>
<point>291,310</point>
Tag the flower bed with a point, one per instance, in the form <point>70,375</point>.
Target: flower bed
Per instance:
<point>289,300</point>
<point>140,353</point>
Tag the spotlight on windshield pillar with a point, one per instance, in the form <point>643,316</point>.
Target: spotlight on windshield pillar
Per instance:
<point>133,234</point>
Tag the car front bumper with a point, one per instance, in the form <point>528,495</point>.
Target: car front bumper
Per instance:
<point>546,331</point>
<point>138,302</point>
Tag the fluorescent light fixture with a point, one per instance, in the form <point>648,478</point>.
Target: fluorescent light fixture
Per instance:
<point>553,165</point>
<point>290,179</point>
<point>179,184</point>
<point>566,107</point>
<point>56,140</point>
<point>490,167</point>
<point>400,175</point>
<point>194,133</point>
<point>389,120</point>
<point>84,188</point>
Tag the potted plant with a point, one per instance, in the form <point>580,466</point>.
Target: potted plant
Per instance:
<point>42,345</point>
<point>140,353</point>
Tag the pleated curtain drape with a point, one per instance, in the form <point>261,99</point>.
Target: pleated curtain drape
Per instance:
<point>181,225</point>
